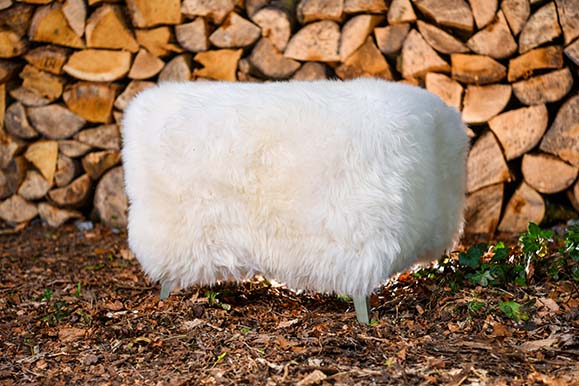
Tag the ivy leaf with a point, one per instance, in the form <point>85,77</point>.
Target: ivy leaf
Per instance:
<point>513,310</point>
<point>472,257</point>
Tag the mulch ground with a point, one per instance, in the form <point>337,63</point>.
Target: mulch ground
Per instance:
<point>76,309</point>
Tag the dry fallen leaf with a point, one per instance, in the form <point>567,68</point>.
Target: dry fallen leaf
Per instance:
<point>312,378</point>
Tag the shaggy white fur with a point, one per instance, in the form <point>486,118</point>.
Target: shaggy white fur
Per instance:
<point>328,186</point>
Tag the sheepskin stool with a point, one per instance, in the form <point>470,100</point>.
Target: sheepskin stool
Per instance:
<point>327,186</point>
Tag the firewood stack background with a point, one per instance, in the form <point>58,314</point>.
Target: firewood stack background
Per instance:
<point>68,69</point>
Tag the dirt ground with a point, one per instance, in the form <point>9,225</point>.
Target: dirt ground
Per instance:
<point>76,309</point>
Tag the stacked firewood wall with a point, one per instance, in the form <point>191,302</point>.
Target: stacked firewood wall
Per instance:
<point>69,67</point>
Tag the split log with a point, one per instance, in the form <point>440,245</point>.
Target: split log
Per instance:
<point>97,163</point>
<point>98,65</point>
<point>482,103</point>
<point>17,18</point>
<point>235,32</point>
<point>542,27</point>
<point>17,122</point>
<point>476,69</point>
<point>110,199</point>
<point>572,52</point>
<point>311,71</point>
<point>520,130</point>
<point>316,42</point>
<point>449,13</point>
<point>364,6</point>
<point>526,205</point>
<point>483,11</point>
<point>486,164</point>
<point>73,195</point>
<point>28,97</point>
<point>418,58</point>
<point>390,38</point>
<point>366,61</point>
<point>537,59</point>
<point>483,209</point>
<point>75,13</point>
<point>450,91</point>
<point>72,148</point>
<point>11,44</point>
<point>34,186</point>
<point>178,69</point>
<point>401,11</point>
<point>12,176</point>
<point>275,25</point>
<point>106,28</point>
<point>55,121</point>
<point>42,83</point>
<point>2,104</point>
<point>193,36</point>
<point>55,217</point>
<point>215,10</point>
<point>50,25</point>
<point>549,87</point>
<point>149,13</point>
<point>9,147</point>
<point>7,70</point>
<point>91,101</point>
<point>48,58</point>
<point>43,155</point>
<point>157,41</point>
<point>145,65</point>
<point>547,173</point>
<point>16,210</point>
<point>313,10</point>
<point>66,170</point>
<point>130,91</point>
<point>573,195</point>
<point>562,138</point>
<point>568,11</point>
<point>495,40</point>
<point>5,4</point>
<point>218,64</point>
<point>270,62</point>
<point>106,137</point>
<point>440,40</point>
<point>355,32</point>
<point>253,6</point>
<point>516,12</point>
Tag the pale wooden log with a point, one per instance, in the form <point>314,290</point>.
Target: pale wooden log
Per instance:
<point>38,2</point>
<point>516,12</point>
<point>11,176</point>
<point>106,28</point>
<point>476,69</point>
<point>526,205</point>
<point>235,32</point>
<point>55,217</point>
<point>55,121</point>
<point>7,70</point>
<point>150,13</point>
<point>9,147</point>
<point>93,2</point>
<point>542,27</point>
<point>178,69</point>
<point>50,25</point>
<point>364,6</point>
<point>145,65</point>
<point>440,40</point>
<point>74,194</point>
<point>355,32</point>
<point>366,61</point>
<point>34,186</point>
<point>483,209</point>
<point>562,138</point>
<point>573,195</point>
<point>483,11</point>
<point>43,155</point>
<point>449,13</point>
<point>390,38</point>
<point>449,90</point>
<point>520,130</point>
<point>495,40</point>
<point>106,137</point>
<point>118,116</point>
<point>157,41</point>
<point>48,58</point>
<point>97,163</point>
<point>315,42</point>
<point>16,210</point>
<point>11,44</point>
<point>418,58</point>
<point>482,103</point>
<point>42,83</point>
<point>572,52</point>
<point>568,11</point>
<point>2,104</point>
<point>66,170</point>
<point>537,59</point>
<point>253,6</point>
<point>311,71</point>
<point>547,174</point>
<point>17,122</point>
<point>275,25</point>
<point>132,89</point>
<point>91,101</point>
<point>5,4</point>
<point>268,61</point>
<point>28,97</point>
<point>110,199</point>
<point>486,164</point>
<point>313,10</point>
<point>72,148</point>
<point>75,13</point>
<point>549,87</point>
<point>401,11</point>
<point>215,10</point>
<point>98,65</point>
<point>17,18</point>
<point>218,64</point>
<point>193,36</point>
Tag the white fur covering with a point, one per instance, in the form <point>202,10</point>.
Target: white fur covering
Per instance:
<point>328,186</point>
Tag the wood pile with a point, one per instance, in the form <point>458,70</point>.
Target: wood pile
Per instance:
<point>68,68</point>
